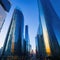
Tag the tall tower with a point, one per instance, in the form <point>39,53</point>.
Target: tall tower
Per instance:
<point>15,35</point>
<point>27,38</point>
<point>50,21</point>
<point>40,47</point>
<point>19,31</point>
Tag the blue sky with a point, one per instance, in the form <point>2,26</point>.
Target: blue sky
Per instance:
<point>29,9</point>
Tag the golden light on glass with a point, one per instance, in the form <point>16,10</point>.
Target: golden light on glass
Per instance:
<point>46,41</point>
<point>44,28</point>
<point>46,37</point>
<point>12,49</point>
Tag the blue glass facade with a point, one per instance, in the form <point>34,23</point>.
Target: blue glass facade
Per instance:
<point>19,31</point>
<point>27,38</point>
<point>52,24</point>
<point>14,42</point>
<point>40,46</point>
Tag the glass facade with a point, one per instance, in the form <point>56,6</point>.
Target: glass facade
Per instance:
<point>14,42</point>
<point>10,41</point>
<point>19,31</point>
<point>40,46</point>
<point>49,21</point>
<point>27,38</point>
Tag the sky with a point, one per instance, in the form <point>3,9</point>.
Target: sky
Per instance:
<point>29,9</point>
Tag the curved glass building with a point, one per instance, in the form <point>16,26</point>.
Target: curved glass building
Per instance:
<point>13,45</point>
<point>50,27</point>
<point>19,30</point>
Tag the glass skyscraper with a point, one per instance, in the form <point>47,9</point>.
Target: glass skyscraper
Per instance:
<point>50,26</point>
<point>19,31</point>
<point>14,42</point>
<point>40,46</point>
<point>27,38</point>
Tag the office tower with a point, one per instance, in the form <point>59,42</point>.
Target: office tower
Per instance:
<point>15,36</point>
<point>19,31</point>
<point>50,26</point>
<point>40,46</point>
<point>4,8</point>
<point>27,38</point>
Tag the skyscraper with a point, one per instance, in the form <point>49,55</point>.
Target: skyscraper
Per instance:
<point>27,38</point>
<point>14,42</point>
<point>40,46</point>
<point>50,25</point>
<point>19,31</point>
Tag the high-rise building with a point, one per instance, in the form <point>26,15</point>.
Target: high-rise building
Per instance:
<point>14,42</point>
<point>19,31</point>
<point>50,26</point>
<point>40,46</point>
<point>27,38</point>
